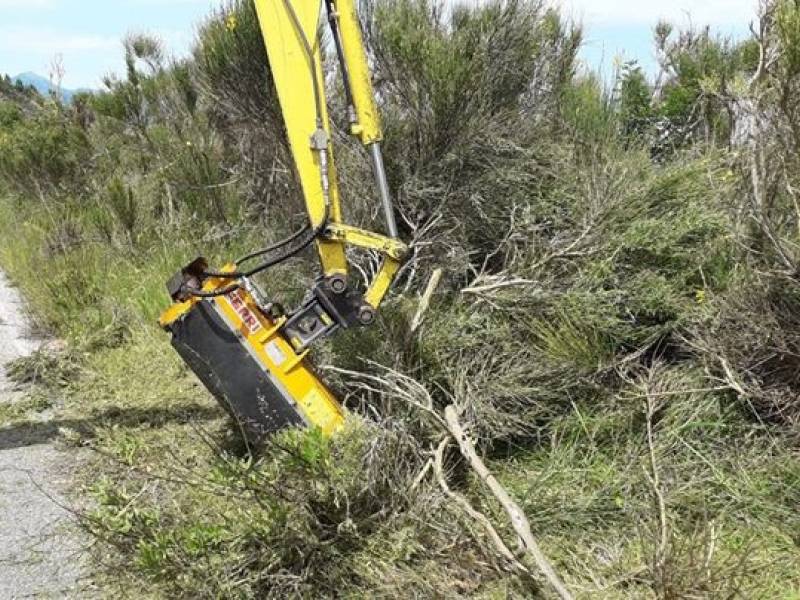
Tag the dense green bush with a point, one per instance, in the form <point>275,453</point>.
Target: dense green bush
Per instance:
<point>44,154</point>
<point>456,91</point>
<point>10,114</point>
<point>242,104</point>
<point>618,333</point>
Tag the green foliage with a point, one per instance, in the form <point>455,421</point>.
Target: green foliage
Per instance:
<point>10,114</point>
<point>613,330</point>
<point>121,200</point>
<point>788,28</point>
<point>45,152</point>
<point>108,104</point>
<point>233,77</point>
<point>229,57</point>
<point>459,95</point>
<point>182,76</point>
<point>699,70</point>
<point>18,91</point>
<point>308,496</point>
<point>634,98</point>
<point>588,111</point>
<point>467,68</point>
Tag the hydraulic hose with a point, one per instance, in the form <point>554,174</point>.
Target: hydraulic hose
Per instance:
<point>220,292</point>
<point>273,247</point>
<point>284,255</point>
<point>285,248</point>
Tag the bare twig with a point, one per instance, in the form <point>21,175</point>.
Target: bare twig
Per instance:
<point>518,519</point>
<point>425,301</point>
<point>469,509</point>
<point>502,283</point>
<point>655,482</point>
<point>421,475</point>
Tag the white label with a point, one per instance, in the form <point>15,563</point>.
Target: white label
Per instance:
<point>275,354</point>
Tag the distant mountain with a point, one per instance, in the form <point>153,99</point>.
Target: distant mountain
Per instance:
<point>43,85</point>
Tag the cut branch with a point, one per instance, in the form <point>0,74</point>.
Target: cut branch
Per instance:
<point>433,283</point>
<point>518,519</point>
<point>470,510</point>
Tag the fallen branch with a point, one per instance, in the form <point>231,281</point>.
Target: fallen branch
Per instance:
<point>433,283</point>
<point>654,479</point>
<point>503,283</point>
<point>470,510</point>
<point>518,519</point>
<point>421,475</point>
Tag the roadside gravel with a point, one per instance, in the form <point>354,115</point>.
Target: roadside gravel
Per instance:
<point>40,549</point>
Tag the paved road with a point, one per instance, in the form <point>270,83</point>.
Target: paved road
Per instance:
<point>39,550</point>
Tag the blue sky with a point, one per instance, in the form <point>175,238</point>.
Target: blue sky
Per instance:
<point>87,33</point>
<point>619,28</point>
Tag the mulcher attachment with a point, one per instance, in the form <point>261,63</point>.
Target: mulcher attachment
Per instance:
<point>237,347</point>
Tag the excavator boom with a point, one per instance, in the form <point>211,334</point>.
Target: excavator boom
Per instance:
<point>249,353</point>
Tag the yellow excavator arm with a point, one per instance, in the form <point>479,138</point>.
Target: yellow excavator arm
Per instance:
<point>290,29</point>
<point>248,352</point>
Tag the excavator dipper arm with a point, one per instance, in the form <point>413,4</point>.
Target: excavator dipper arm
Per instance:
<point>249,353</point>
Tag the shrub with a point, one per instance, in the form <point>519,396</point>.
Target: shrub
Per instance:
<point>234,79</point>
<point>455,90</point>
<point>750,342</point>
<point>122,202</point>
<point>10,114</point>
<point>44,154</point>
<point>448,77</point>
<point>588,327</point>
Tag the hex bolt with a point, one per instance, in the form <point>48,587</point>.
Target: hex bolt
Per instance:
<point>338,284</point>
<point>366,314</point>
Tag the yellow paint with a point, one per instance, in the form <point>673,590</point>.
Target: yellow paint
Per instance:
<point>368,128</point>
<point>368,239</point>
<point>382,282</point>
<point>314,400</point>
<point>175,312</point>
<point>292,70</point>
<point>317,410</point>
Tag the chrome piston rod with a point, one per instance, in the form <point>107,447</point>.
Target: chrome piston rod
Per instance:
<point>383,188</point>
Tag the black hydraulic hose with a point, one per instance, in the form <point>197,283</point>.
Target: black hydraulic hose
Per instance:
<point>214,294</point>
<point>313,234</point>
<point>272,247</point>
<point>337,42</point>
<point>268,263</point>
<point>285,255</point>
<point>265,265</point>
<point>296,235</point>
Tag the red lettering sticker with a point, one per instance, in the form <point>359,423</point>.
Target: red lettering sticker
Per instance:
<point>245,314</point>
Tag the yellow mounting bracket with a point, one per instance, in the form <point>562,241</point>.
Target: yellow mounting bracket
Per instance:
<point>290,30</point>
<point>392,249</point>
<point>361,238</point>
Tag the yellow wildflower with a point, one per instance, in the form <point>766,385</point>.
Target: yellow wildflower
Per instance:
<point>700,296</point>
